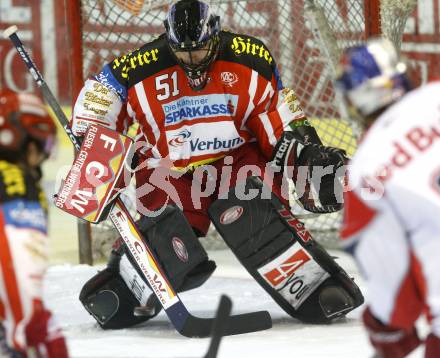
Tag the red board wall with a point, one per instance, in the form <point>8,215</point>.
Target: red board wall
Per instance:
<point>421,43</point>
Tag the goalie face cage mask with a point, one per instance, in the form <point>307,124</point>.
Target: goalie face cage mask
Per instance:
<point>193,37</point>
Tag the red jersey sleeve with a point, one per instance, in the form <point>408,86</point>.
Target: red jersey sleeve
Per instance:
<point>272,117</point>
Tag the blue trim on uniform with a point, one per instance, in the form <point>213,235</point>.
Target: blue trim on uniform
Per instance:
<point>278,79</point>
<point>25,214</point>
<point>106,78</point>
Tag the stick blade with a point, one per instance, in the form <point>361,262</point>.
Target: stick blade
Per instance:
<point>248,323</point>
<point>238,324</point>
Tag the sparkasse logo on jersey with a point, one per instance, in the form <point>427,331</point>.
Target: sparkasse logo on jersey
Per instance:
<point>208,106</point>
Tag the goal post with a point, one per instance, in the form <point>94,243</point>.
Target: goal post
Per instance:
<point>304,36</point>
<point>372,18</point>
<point>74,18</point>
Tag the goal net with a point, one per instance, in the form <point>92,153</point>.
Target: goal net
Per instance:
<point>305,37</point>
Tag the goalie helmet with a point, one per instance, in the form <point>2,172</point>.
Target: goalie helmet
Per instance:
<point>24,118</point>
<point>193,37</point>
<point>371,76</point>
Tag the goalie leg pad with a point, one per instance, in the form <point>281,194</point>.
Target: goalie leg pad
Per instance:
<point>283,258</point>
<point>109,300</point>
<point>117,297</point>
<point>178,249</point>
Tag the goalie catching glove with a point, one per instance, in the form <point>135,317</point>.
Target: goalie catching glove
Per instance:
<point>302,157</point>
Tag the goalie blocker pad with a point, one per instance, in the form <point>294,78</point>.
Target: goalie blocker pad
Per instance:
<point>97,174</point>
<point>280,254</point>
<point>113,295</point>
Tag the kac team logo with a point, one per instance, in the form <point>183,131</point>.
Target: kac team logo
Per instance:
<point>229,78</point>
<point>180,138</point>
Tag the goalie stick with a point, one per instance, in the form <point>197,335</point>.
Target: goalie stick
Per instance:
<point>184,322</point>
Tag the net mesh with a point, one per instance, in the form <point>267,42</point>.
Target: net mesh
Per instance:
<point>398,10</point>
<point>305,37</point>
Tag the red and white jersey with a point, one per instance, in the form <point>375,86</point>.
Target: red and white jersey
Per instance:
<point>23,263</point>
<point>392,214</point>
<point>398,165</point>
<point>239,104</point>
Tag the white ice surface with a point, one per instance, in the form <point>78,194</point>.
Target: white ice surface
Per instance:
<point>157,338</point>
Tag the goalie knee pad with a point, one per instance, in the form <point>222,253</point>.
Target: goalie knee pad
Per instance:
<point>280,254</point>
<point>119,297</point>
<point>178,249</point>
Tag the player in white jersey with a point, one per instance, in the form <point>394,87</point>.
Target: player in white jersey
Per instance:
<point>392,211</point>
